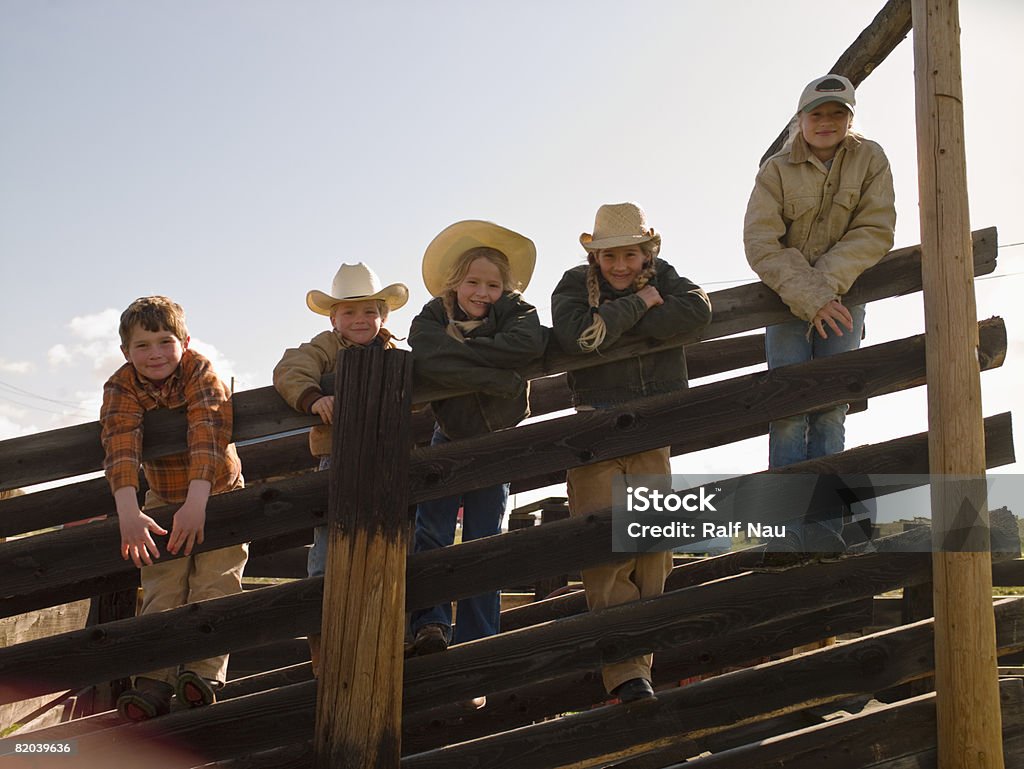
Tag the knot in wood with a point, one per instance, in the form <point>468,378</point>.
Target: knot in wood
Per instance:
<point>873,662</point>
<point>625,421</point>
<point>270,494</point>
<point>98,635</point>
<point>433,478</point>
<point>586,455</point>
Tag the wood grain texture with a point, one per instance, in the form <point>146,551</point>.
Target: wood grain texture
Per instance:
<point>359,698</point>
<point>965,674</point>
<point>81,562</point>
<point>601,736</point>
<point>897,731</point>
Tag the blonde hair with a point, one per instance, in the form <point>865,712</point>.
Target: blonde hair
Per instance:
<point>382,307</point>
<point>457,273</point>
<point>593,336</point>
<point>153,313</point>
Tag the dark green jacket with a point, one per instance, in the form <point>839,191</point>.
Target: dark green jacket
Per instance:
<point>510,338</point>
<point>686,308</point>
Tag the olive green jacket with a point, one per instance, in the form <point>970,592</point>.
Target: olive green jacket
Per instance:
<point>686,308</point>
<point>486,363</point>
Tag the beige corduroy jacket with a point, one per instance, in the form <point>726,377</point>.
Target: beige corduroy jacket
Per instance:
<point>810,231</point>
<point>297,377</point>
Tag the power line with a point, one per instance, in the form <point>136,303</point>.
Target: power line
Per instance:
<point>66,413</point>
<point>22,391</point>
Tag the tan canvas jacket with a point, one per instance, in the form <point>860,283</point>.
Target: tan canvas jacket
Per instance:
<point>297,378</point>
<point>809,231</point>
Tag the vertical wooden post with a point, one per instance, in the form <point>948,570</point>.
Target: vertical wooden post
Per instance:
<point>967,695</point>
<point>359,699</point>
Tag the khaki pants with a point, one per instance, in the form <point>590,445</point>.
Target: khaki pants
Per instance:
<point>590,489</point>
<point>170,584</point>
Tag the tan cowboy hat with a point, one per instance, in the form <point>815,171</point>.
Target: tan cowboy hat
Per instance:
<point>456,239</point>
<point>619,224</point>
<point>356,283</point>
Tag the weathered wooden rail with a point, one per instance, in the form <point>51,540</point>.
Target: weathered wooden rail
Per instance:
<point>83,561</point>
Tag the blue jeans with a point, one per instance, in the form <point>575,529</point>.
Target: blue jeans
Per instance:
<point>482,512</point>
<point>809,436</point>
<point>316,559</point>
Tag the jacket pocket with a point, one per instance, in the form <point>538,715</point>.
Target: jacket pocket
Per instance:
<point>797,208</point>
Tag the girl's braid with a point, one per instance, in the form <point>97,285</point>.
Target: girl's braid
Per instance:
<point>593,336</point>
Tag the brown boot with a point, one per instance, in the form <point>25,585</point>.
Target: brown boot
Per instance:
<point>314,653</point>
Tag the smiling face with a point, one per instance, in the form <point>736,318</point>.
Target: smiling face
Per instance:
<point>621,265</point>
<point>154,354</point>
<point>824,127</point>
<point>358,322</point>
<point>480,288</point>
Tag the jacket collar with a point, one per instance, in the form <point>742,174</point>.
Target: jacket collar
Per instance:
<point>801,153</point>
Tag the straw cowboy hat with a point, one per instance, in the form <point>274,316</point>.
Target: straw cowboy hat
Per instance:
<point>356,283</point>
<point>456,239</point>
<point>619,224</point>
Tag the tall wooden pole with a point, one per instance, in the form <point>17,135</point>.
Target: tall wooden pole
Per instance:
<point>967,696</point>
<point>359,696</point>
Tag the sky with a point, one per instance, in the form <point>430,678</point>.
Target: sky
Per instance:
<point>232,154</point>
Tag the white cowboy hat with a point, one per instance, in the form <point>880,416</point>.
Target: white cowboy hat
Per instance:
<point>456,239</point>
<point>619,224</point>
<point>356,283</point>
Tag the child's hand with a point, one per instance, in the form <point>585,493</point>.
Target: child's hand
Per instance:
<point>323,407</point>
<point>137,529</point>
<point>830,313</point>
<point>651,296</point>
<point>190,519</point>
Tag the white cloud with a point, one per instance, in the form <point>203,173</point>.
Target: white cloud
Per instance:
<point>98,326</point>
<point>13,422</point>
<point>99,345</point>
<point>58,355</point>
<point>16,366</point>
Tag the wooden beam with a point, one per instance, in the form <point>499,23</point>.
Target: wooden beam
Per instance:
<point>289,455</point>
<point>869,739</point>
<point>285,716</point>
<point>50,566</point>
<point>76,450</point>
<point>359,698</point>
<point>648,423</point>
<point>965,673</point>
<point>522,705</point>
<point>870,49</point>
<point>602,736</point>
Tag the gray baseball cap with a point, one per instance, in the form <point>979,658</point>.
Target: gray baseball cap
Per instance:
<point>825,89</point>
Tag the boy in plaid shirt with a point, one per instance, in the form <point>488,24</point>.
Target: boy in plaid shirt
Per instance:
<point>161,372</point>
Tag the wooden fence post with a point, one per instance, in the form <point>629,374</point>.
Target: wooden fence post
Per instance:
<point>359,698</point>
<point>966,684</point>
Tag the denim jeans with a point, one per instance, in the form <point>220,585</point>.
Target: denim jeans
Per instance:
<point>316,559</point>
<point>482,512</point>
<point>819,433</point>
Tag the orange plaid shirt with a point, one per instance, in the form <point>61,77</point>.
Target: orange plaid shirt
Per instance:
<point>211,456</point>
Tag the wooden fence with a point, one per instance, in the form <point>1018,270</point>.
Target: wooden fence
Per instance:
<point>716,614</point>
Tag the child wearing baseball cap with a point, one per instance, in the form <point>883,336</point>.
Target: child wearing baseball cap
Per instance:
<point>822,211</point>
